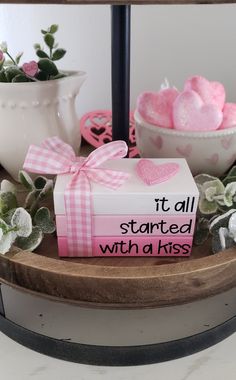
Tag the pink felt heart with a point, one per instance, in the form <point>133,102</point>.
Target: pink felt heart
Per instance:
<point>156,108</point>
<point>209,92</point>
<point>229,116</point>
<point>30,68</point>
<point>191,114</point>
<point>151,173</point>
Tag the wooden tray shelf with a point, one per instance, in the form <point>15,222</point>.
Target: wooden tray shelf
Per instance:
<point>123,283</point>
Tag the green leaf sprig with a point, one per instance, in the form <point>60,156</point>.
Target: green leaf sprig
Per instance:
<point>216,210</point>
<point>25,225</point>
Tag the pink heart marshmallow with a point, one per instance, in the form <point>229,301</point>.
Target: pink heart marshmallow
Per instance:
<point>229,116</point>
<point>191,114</point>
<point>210,92</point>
<point>157,108</point>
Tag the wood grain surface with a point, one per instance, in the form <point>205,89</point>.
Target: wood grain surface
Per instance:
<point>118,2</point>
<point>119,282</point>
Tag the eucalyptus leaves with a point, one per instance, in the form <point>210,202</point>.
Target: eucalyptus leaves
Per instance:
<point>24,225</point>
<point>217,210</point>
<point>44,69</point>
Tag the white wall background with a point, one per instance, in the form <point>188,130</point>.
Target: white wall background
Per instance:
<point>172,41</point>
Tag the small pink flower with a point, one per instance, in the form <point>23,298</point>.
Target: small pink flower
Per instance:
<point>1,55</point>
<point>30,68</point>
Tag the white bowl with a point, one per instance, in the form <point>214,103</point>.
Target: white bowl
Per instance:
<point>206,152</point>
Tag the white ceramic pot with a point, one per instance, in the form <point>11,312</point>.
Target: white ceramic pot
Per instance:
<point>33,111</point>
<point>206,152</point>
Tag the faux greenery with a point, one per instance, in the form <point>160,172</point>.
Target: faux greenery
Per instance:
<point>216,215</point>
<point>42,70</point>
<point>24,224</point>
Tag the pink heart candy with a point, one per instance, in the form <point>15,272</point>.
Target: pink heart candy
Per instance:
<point>156,108</point>
<point>30,68</point>
<point>191,114</point>
<point>229,116</point>
<point>210,92</point>
<point>151,173</point>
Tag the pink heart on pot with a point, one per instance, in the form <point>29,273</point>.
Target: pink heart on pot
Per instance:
<point>156,107</point>
<point>30,68</point>
<point>184,151</point>
<point>209,92</point>
<point>229,116</point>
<point>151,173</point>
<point>191,114</point>
<point>157,141</point>
<point>213,160</point>
<point>226,142</point>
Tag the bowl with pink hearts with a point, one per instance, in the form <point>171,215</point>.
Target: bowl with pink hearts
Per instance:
<point>196,124</point>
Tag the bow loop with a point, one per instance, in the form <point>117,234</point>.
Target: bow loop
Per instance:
<point>55,144</point>
<point>115,149</point>
<point>43,161</point>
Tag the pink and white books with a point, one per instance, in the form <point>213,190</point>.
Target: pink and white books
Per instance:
<point>136,219</point>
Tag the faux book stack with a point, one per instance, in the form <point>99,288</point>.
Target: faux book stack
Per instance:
<point>151,212</point>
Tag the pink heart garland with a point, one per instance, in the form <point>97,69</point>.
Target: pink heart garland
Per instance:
<point>209,92</point>
<point>151,173</point>
<point>30,68</point>
<point>191,114</point>
<point>157,108</point>
<point>96,129</point>
<point>229,116</point>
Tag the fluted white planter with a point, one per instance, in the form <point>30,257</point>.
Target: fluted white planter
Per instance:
<point>33,111</point>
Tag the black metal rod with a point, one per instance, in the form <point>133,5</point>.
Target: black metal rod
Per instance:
<point>120,38</point>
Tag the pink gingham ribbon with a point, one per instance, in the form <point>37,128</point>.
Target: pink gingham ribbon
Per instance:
<point>56,157</point>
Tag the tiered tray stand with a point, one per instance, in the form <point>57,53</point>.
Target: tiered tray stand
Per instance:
<point>129,283</point>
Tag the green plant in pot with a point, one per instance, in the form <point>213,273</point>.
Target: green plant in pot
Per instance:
<point>37,101</point>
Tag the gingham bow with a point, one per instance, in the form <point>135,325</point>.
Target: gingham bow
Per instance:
<point>56,157</point>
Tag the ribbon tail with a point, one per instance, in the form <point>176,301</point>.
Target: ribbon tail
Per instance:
<point>79,216</point>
